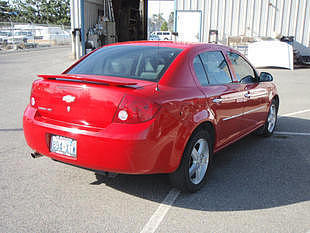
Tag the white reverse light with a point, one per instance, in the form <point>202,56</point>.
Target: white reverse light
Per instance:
<point>123,115</point>
<point>33,101</point>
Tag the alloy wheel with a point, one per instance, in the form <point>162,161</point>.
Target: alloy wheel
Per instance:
<point>272,117</point>
<point>199,161</point>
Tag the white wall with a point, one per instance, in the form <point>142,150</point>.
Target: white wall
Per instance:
<point>253,17</point>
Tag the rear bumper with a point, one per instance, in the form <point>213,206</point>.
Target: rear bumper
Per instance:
<point>119,148</point>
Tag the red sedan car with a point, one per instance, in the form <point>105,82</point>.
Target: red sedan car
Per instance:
<point>150,107</point>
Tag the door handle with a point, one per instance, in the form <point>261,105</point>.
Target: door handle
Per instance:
<point>217,101</point>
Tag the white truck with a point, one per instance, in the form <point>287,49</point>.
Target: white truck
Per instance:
<point>163,35</point>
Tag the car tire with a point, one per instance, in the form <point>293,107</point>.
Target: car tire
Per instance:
<point>195,164</point>
<point>268,128</point>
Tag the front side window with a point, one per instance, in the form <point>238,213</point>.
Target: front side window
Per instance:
<point>244,72</point>
<point>216,67</point>
<point>128,61</point>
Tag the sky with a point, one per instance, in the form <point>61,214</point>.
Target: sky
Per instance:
<point>165,7</point>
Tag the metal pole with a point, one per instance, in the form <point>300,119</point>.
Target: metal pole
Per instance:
<point>76,26</point>
<point>72,28</point>
<point>82,27</point>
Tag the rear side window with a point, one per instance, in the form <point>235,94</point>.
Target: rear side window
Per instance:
<point>200,71</point>
<point>128,61</point>
<point>216,67</point>
<point>244,72</point>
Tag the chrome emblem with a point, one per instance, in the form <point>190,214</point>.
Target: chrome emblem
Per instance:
<point>68,108</point>
<point>68,98</point>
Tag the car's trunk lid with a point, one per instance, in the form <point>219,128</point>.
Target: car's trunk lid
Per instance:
<point>82,99</point>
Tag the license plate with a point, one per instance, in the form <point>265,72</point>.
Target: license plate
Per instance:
<point>63,145</point>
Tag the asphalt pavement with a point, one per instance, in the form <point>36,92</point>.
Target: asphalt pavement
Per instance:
<point>257,184</point>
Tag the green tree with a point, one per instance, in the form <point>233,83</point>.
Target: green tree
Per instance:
<point>164,26</point>
<point>6,11</point>
<point>155,22</point>
<point>43,11</point>
<point>171,21</point>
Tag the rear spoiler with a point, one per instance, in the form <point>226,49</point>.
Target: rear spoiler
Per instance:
<point>113,81</point>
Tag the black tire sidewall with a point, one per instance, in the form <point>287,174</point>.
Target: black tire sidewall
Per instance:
<point>180,178</point>
<point>266,131</point>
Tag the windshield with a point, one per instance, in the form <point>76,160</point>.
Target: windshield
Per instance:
<point>128,61</point>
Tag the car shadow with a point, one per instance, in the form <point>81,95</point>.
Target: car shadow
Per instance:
<point>253,173</point>
<point>300,67</point>
<point>296,67</point>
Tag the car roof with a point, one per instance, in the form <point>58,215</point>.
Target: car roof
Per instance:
<point>172,44</point>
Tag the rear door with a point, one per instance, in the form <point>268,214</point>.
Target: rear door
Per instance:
<point>255,93</point>
<point>223,95</point>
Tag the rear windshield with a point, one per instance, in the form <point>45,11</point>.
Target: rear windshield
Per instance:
<point>128,61</point>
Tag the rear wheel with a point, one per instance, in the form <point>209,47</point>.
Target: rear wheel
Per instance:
<point>195,164</point>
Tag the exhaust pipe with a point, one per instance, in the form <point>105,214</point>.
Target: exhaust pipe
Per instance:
<point>105,174</point>
<point>36,155</point>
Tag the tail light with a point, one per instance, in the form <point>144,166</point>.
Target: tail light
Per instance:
<point>33,100</point>
<point>135,110</point>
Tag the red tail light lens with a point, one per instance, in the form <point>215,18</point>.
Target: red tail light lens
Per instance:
<point>134,109</point>
<point>33,99</point>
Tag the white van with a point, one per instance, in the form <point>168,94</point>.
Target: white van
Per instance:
<point>163,35</point>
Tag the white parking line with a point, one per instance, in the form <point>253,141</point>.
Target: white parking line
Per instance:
<point>160,213</point>
<point>295,113</point>
<point>291,133</point>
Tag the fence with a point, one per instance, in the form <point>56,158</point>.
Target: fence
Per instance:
<point>26,36</point>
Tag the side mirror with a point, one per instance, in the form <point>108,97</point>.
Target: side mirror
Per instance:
<point>265,77</point>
